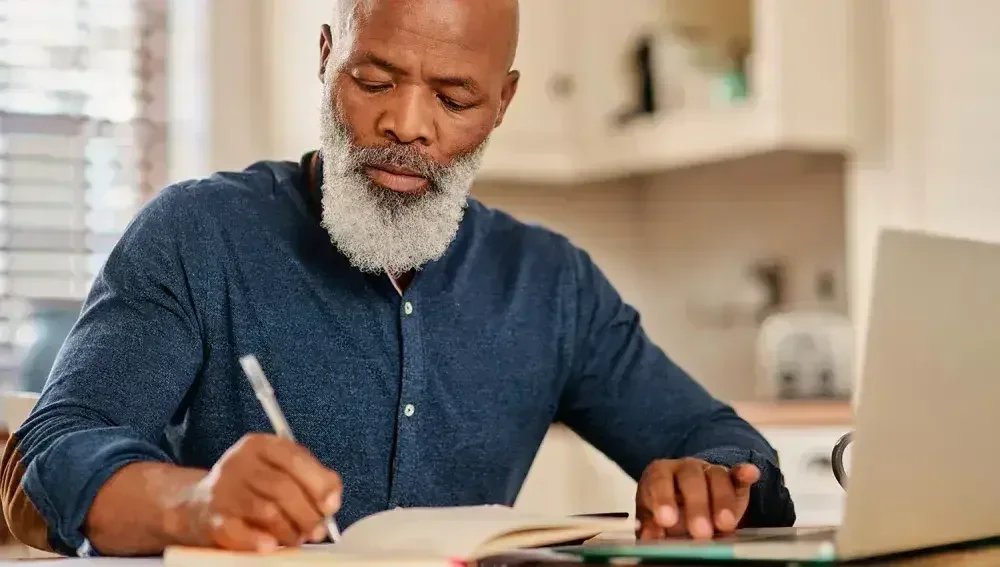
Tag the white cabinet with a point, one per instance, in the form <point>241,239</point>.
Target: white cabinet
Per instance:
<point>804,457</point>
<point>574,58</point>
<point>575,55</point>
<point>536,134</point>
<point>570,476</point>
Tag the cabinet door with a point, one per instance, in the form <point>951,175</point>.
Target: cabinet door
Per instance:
<point>534,136</point>
<point>804,457</point>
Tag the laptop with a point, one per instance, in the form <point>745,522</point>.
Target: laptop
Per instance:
<point>923,472</point>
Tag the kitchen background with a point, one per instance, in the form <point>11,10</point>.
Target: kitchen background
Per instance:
<point>728,163</point>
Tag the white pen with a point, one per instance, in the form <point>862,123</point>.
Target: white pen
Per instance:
<point>262,387</point>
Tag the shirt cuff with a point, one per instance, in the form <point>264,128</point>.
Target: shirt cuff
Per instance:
<point>63,480</point>
<point>770,503</point>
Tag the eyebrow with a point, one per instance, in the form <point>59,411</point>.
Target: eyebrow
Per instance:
<point>372,59</point>
<point>460,82</point>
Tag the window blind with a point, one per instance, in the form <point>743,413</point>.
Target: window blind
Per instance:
<point>82,145</point>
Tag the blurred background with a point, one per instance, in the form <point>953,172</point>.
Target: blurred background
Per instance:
<point>728,163</point>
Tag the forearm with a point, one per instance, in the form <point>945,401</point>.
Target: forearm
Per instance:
<point>137,511</point>
<point>628,399</point>
<point>51,476</point>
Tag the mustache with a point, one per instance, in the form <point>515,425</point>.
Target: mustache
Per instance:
<point>397,155</point>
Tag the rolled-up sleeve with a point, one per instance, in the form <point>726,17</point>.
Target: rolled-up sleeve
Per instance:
<point>629,400</point>
<point>118,381</point>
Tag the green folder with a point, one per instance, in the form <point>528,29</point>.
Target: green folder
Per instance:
<point>802,552</point>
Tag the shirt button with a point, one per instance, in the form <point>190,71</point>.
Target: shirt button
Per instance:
<point>408,308</point>
<point>408,410</point>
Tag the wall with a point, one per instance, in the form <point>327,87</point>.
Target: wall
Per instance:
<point>219,105</point>
<point>685,239</point>
<point>926,91</point>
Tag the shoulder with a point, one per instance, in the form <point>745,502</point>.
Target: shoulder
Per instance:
<point>514,245</point>
<point>261,182</point>
<point>499,233</point>
<point>191,207</point>
<point>189,219</point>
<point>497,229</point>
<point>526,252</point>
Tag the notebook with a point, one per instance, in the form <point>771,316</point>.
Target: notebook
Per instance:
<point>419,537</point>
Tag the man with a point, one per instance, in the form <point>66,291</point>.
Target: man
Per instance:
<point>419,342</point>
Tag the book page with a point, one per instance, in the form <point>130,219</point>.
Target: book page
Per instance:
<point>309,556</point>
<point>464,532</point>
<point>412,537</point>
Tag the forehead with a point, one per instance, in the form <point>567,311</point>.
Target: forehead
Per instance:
<point>442,31</point>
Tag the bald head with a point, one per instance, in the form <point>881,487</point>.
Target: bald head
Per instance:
<point>432,72</point>
<point>413,89</point>
<point>496,21</point>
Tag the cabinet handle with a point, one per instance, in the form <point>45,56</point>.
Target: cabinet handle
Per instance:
<point>822,462</point>
<point>562,85</point>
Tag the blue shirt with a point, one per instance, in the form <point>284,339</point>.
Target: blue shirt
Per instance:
<point>439,397</point>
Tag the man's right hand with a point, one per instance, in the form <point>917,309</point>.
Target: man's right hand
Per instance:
<point>265,491</point>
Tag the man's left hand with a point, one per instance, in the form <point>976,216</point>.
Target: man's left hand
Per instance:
<point>690,497</point>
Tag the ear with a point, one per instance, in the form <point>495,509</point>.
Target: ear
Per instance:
<point>507,94</point>
<point>325,42</point>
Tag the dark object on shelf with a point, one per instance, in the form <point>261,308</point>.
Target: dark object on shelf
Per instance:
<point>771,274</point>
<point>825,288</point>
<point>735,81</point>
<point>645,81</point>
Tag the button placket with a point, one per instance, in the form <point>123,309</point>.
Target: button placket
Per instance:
<point>411,375</point>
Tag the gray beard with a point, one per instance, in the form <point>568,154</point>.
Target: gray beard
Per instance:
<point>378,229</point>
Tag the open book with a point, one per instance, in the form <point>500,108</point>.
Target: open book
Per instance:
<point>410,537</point>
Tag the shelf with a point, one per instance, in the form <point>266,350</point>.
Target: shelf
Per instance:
<point>692,138</point>
<point>647,146</point>
<point>795,413</point>
<point>796,73</point>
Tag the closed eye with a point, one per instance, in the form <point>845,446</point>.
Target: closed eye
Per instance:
<point>453,105</point>
<point>373,86</point>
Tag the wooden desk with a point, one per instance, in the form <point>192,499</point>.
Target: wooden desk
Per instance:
<point>987,557</point>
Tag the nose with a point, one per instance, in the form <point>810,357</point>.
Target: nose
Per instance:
<point>408,118</point>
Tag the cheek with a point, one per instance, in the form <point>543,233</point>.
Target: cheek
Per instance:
<point>459,135</point>
<point>358,111</point>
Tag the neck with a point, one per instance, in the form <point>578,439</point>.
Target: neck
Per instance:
<point>401,281</point>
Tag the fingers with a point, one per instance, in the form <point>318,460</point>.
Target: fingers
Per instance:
<point>744,477</point>
<point>272,486</point>
<point>322,485</point>
<point>723,496</point>
<point>660,498</point>
<point>648,529</point>
<point>656,503</point>
<point>268,516</point>
<point>692,485</point>
<point>291,517</point>
<point>237,535</point>
<point>692,497</point>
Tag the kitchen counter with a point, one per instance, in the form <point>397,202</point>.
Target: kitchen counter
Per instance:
<point>805,413</point>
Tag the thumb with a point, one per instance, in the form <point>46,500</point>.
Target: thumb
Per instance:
<point>744,477</point>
